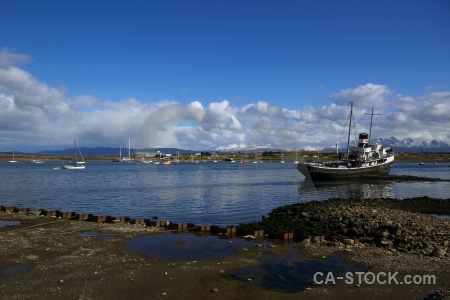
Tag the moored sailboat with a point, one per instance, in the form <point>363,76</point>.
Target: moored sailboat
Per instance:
<point>123,158</point>
<point>75,164</point>
<point>13,159</point>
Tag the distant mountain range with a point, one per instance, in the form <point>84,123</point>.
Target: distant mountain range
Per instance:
<point>113,152</point>
<point>409,145</point>
<point>405,145</point>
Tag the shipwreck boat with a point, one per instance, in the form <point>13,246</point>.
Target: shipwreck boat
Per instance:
<point>358,163</point>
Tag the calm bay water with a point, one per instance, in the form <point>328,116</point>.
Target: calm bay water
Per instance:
<point>205,193</point>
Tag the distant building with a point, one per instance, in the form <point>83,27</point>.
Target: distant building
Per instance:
<point>142,154</point>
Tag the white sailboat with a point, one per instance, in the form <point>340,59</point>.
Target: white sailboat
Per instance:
<point>421,159</point>
<point>128,159</point>
<point>296,159</point>
<point>76,165</point>
<point>13,160</point>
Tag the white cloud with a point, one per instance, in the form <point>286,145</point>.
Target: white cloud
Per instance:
<point>36,115</point>
<point>365,96</point>
<point>9,58</point>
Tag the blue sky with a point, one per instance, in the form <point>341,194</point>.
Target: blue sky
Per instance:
<point>95,70</point>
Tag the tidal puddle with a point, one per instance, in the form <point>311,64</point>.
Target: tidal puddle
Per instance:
<point>11,271</point>
<point>446,217</point>
<point>284,273</point>
<point>87,233</point>
<point>186,246</point>
<point>8,223</point>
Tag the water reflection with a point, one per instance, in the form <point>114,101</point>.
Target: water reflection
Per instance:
<point>205,194</point>
<point>8,223</point>
<point>310,191</point>
<point>286,274</point>
<point>185,246</point>
<point>11,271</point>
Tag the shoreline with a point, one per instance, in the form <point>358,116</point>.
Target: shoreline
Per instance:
<point>59,262</point>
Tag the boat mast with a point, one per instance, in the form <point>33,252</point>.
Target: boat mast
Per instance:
<point>76,155</point>
<point>371,118</point>
<point>349,128</point>
<point>75,150</point>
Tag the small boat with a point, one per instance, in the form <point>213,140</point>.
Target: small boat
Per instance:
<point>193,160</point>
<point>421,160</point>
<point>75,164</point>
<point>36,161</point>
<point>359,162</point>
<point>13,159</point>
<point>166,162</point>
<point>78,165</point>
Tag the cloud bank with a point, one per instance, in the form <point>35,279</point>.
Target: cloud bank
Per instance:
<point>36,116</point>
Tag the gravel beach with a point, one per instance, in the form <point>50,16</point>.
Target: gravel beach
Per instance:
<point>44,257</point>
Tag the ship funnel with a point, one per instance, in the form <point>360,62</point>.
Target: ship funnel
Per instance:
<point>363,139</point>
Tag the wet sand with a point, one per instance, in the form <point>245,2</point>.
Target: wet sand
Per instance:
<point>47,258</point>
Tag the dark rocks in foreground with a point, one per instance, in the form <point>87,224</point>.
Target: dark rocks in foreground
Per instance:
<point>401,178</point>
<point>404,225</point>
<point>410,178</point>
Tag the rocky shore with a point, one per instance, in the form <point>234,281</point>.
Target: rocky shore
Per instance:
<point>403,225</point>
<point>44,257</point>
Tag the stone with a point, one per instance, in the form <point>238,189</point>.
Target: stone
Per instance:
<point>354,231</point>
<point>304,214</point>
<point>439,251</point>
<point>385,224</point>
<point>348,241</point>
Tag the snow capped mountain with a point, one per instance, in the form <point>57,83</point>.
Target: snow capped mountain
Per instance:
<point>408,145</point>
<point>405,145</point>
<point>241,148</point>
<point>411,145</point>
<point>409,142</point>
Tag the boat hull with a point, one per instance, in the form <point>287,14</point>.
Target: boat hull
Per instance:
<point>69,167</point>
<point>320,173</point>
